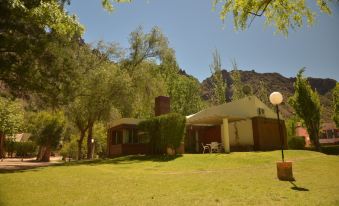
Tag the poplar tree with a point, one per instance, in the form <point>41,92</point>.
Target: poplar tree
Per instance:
<point>307,106</point>
<point>218,82</point>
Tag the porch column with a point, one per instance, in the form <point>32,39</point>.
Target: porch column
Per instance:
<point>225,135</point>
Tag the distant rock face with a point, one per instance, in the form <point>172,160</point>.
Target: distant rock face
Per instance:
<point>277,82</point>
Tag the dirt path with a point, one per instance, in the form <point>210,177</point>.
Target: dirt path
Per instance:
<point>9,164</point>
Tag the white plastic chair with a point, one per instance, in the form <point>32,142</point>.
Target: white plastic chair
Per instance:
<point>204,147</point>
<point>215,147</point>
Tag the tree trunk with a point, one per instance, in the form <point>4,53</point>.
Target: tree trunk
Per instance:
<point>39,155</point>
<point>2,142</point>
<point>89,140</point>
<point>46,154</point>
<point>81,139</point>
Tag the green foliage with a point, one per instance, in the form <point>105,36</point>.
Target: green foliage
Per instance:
<point>164,131</point>
<point>47,128</point>
<point>70,149</point>
<point>218,82</point>
<point>185,97</point>
<point>296,142</point>
<point>10,146</point>
<point>335,94</point>
<point>100,139</point>
<point>237,85</point>
<point>330,149</point>
<point>37,38</point>
<point>306,104</point>
<point>24,149</point>
<point>262,93</point>
<point>282,14</point>
<point>11,116</point>
<point>291,124</point>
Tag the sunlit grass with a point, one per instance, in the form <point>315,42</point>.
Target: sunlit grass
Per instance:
<point>247,178</point>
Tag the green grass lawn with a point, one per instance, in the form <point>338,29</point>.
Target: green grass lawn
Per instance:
<point>244,178</point>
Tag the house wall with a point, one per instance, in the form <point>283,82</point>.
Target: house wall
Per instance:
<point>266,133</point>
<point>243,129</point>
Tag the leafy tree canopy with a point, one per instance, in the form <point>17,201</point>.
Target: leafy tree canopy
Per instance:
<point>282,14</point>
<point>307,106</point>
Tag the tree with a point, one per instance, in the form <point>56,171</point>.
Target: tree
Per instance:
<point>218,82</point>
<point>47,129</point>
<point>262,92</point>
<point>34,42</point>
<point>307,106</point>
<point>237,85</point>
<point>282,14</point>
<point>103,89</point>
<point>336,104</point>
<point>11,119</point>
<point>185,97</point>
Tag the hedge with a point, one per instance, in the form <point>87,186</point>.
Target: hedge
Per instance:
<point>164,131</point>
<point>296,142</point>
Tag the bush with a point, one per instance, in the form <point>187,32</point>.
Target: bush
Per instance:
<point>296,142</point>
<point>10,146</point>
<point>70,149</point>
<point>25,149</point>
<point>164,131</point>
<point>330,149</point>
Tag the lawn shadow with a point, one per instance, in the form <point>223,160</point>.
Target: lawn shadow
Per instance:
<point>297,188</point>
<point>131,159</point>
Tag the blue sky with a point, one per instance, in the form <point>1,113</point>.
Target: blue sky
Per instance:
<point>195,31</point>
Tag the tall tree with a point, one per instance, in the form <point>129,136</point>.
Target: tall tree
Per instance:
<point>11,119</point>
<point>185,97</point>
<point>307,106</point>
<point>237,85</point>
<point>102,89</point>
<point>34,36</point>
<point>262,92</point>
<point>218,82</point>
<point>47,129</point>
<point>282,14</point>
<point>336,104</point>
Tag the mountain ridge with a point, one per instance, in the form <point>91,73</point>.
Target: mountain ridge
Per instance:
<point>277,82</point>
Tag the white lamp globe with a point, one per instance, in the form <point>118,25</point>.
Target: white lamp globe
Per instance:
<point>276,98</point>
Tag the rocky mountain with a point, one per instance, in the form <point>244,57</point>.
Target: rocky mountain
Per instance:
<point>277,82</point>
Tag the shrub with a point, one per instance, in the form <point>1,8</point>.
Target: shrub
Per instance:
<point>164,131</point>
<point>10,146</point>
<point>24,149</point>
<point>296,142</point>
<point>330,149</point>
<point>70,149</point>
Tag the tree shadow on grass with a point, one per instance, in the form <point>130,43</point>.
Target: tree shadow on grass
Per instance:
<point>131,159</point>
<point>297,188</point>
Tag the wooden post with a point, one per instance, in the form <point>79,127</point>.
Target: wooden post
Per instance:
<point>225,135</point>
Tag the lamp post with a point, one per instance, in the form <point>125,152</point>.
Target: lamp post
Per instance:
<point>284,169</point>
<point>276,98</point>
<point>92,148</point>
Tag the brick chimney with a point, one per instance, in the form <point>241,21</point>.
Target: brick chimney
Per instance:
<point>162,105</point>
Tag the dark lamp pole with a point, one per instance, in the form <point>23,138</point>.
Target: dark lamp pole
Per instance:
<point>276,98</point>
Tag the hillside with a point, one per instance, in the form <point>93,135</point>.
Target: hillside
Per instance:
<point>277,82</point>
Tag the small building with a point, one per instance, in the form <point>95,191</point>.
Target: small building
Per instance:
<point>245,124</point>
<point>242,125</point>
<point>329,134</point>
<point>123,138</point>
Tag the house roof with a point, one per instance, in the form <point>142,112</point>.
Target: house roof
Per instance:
<point>236,110</point>
<point>130,121</point>
<point>22,137</point>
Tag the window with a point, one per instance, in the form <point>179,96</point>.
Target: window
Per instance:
<point>116,137</point>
